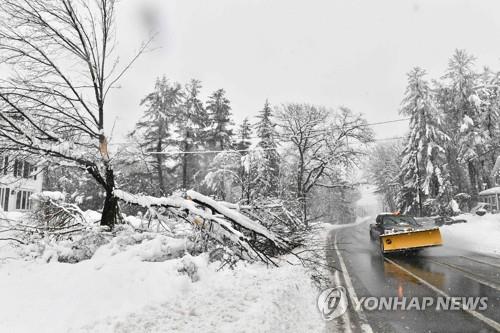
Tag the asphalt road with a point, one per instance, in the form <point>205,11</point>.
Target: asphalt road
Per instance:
<point>434,272</point>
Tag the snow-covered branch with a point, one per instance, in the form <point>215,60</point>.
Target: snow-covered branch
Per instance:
<point>217,220</point>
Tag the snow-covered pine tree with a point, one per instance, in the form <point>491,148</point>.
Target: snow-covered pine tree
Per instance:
<point>153,130</point>
<point>421,174</point>
<point>219,112</point>
<point>192,123</point>
<point>244,135</point>
<point>461,115</point>
<point>487,102</point>
<point>268,165</point>
<point>247,170</point>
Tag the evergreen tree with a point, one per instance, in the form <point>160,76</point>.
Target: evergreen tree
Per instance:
<point>219,112</point>
<point>421,173</point>
<point>268,173</point>
<point>192,121</point>
<point>153,130</point>
<point>244,135</point>
<point>461,115</point>
<point>487,102</point>
<point>247,172</point>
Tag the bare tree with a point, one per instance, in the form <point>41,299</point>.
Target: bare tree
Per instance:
<point>323,141</point>
<point>58,54</point>
<point>383,167</point>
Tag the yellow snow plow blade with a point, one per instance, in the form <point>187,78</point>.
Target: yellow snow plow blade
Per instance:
<point>410,240</point>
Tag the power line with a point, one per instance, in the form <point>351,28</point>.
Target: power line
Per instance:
<point>389,139</point>
<point>386,122</point>
<point>361,125</point>
<point>236,150</point>
<point>264,149</point>
<point>253,137</point>
<point>205,151</point>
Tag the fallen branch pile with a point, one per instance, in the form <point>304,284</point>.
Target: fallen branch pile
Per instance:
<point>52,217</point>
<point>220,222</point>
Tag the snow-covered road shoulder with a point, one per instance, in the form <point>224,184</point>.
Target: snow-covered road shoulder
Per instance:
<point>251,298</point>
<point>123,290</point>
<point>479,234</point>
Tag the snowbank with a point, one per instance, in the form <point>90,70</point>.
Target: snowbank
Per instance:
<point>124,288</point>
<point>479,234</point>
<point>251,298</point>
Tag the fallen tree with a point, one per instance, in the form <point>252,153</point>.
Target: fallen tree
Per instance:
<point>268,231</point>
<point>220,222</point>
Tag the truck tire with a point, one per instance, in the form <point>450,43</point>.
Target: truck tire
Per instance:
<point>381,248</point>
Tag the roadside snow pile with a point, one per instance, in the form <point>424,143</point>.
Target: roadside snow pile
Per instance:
<point>81,247</point>
<point>146,246</point>
<point>480,233</point>
<point>120,292</point>
<point>96,244</point>
<point>251,298</point>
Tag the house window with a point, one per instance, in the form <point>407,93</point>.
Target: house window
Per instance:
<point>2,194</point>
<point>24,169</point>
<point>4,198</point>
<point>18,166</point>
<point>5,164</point>
<point>23,201</point>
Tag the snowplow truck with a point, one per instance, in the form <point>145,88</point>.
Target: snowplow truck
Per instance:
<point>398,233</point>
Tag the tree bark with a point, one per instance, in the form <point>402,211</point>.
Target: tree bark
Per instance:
<point>159,165</point>
<point>301,192</point>
<point>473,179</point>
<point>110,211</point>
<point>185,163</point>
<point>304,210</point>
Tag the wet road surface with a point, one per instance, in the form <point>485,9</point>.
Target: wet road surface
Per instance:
<point>434,272</point>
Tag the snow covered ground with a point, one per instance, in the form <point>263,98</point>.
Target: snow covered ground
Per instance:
<point>479,234</point>
<point>122,289</point>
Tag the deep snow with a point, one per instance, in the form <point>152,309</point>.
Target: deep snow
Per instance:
<point>479,234</point>
<point>123,288</point>
<point>129,295</point>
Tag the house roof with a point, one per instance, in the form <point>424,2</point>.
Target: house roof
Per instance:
<point>490,191</point>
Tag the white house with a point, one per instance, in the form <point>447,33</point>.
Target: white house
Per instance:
<point>19,179</point>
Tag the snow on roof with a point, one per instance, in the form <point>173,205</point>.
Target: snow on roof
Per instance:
<point>490,191</point>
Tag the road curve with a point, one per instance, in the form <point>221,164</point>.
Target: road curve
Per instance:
<point>434,272</point>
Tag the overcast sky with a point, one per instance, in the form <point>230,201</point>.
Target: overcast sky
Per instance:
<point>326,52</point>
